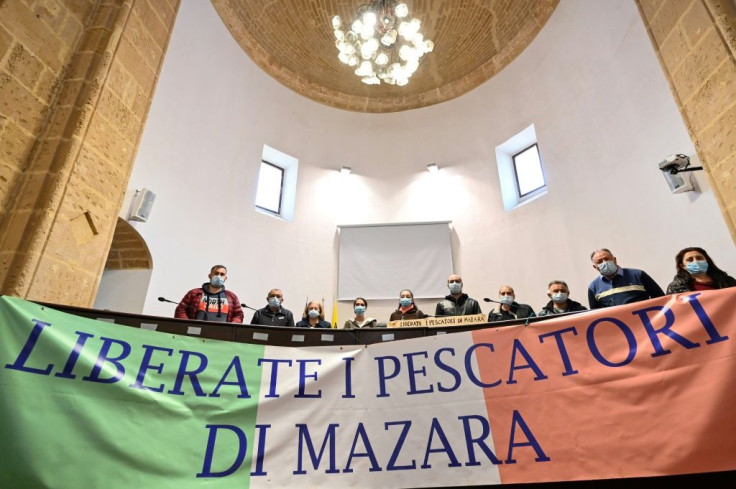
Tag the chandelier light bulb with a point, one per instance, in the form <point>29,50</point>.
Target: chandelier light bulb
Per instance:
<point>336,22</point>
<point>382,59</point>
<point>401,10</point>
<point>369,19</point>
<point>367,32</point>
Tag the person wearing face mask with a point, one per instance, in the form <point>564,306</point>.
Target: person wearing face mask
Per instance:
<point>696,271</point>
<point>313,317</point>
<point>211,302</point>
<point>560,302</point>
<point>274,313</point>
<point>360,320</point>
<point>457,303</point>
<point>508,307</point>
<point>616,285</point>
<point>407,309</point>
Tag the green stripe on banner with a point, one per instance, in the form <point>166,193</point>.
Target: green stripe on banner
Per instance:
<point>85,403</point>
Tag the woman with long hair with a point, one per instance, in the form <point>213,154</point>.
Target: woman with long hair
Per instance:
<point>696,271</point>
<point>407,309</point>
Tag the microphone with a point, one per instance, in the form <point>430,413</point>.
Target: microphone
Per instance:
<point>248,307</point>
<point>164,299</point>
<point>491,300</point>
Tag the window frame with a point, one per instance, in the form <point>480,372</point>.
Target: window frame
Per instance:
<point>516,171</point>
<point>507,177</point>
<point>281,188</point>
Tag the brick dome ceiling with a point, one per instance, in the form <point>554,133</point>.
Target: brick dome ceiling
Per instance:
<point>293,41</point>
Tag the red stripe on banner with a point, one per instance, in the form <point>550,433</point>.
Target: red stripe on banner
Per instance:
<point>639,390</point>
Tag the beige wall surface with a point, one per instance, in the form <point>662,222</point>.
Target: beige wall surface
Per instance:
<point>76,81</point>
<point>695,42</point>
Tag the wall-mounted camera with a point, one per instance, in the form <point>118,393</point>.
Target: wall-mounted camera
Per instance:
<point>674,164</point>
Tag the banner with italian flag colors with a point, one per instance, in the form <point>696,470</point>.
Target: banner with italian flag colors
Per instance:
<point>646,389</point>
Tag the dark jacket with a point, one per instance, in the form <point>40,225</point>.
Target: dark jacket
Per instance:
<point>304,323</point>
<point>681,284</point>
<point>518,311</point>
<point>412,313</point>
<point>572,306</point>
<point>266,317</point>
<point>463,306</point>
<point>189,305</point>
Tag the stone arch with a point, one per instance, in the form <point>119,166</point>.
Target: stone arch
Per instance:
<point>127,275</point>
<point>128,250</point>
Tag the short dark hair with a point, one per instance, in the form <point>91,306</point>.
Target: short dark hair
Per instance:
<point>216,267</point>
<point>561,282</point>
<point>360,299</point>
<point>600,249</point>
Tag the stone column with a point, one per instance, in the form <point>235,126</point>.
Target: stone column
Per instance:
<point>695,41</point>
<point>76,84</point>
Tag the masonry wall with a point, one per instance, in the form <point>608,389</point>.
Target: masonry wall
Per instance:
<point>76,82</point>
<point>695,42</point>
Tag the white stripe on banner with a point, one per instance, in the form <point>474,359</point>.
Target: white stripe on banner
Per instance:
<point>413,434</point>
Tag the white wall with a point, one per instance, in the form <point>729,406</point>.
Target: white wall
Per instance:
<point>123,290</point>
<point>590,82</point>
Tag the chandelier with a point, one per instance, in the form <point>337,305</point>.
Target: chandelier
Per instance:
<point>382,43</point>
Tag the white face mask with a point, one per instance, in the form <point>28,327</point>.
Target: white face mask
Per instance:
<point>274,301</point>
<point>313,313</point>
<point>559,297</point>
<point>456,288</point>
<point>506,299</point>
<point>607,268</point>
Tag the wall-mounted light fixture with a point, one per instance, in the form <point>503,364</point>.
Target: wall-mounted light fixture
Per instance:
<point>433,168</point>
<point>345,170</point>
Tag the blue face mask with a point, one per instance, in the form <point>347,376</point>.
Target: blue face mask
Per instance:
<point>559,297</point>
<point>217,281</point>
<point>359,310</point>
<point>456,288</point>
<point>607,268</point>
<point>313,313</point>
<point>506,299</point>
<point>405,301</point>
<point>697,267</point>
<point>274,301</point>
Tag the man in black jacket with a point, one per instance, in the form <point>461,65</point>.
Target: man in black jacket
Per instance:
<point>274,313</point>
<point>457,303</point>
<point>508,308</point>
<point>560,302</point>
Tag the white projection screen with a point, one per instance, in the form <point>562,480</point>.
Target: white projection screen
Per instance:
<point>376,261</point>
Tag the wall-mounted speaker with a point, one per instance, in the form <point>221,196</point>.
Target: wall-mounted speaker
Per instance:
<point>679,182</point>
<point>140,207</point>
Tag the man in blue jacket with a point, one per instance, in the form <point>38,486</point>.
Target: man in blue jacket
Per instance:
<point>617,285</point>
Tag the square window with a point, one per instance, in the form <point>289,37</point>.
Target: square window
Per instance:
<point>270,187</point>
<point>520,172</point>
<point>528,170</point>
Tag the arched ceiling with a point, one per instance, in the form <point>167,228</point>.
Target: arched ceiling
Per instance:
<point>293,41</point>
